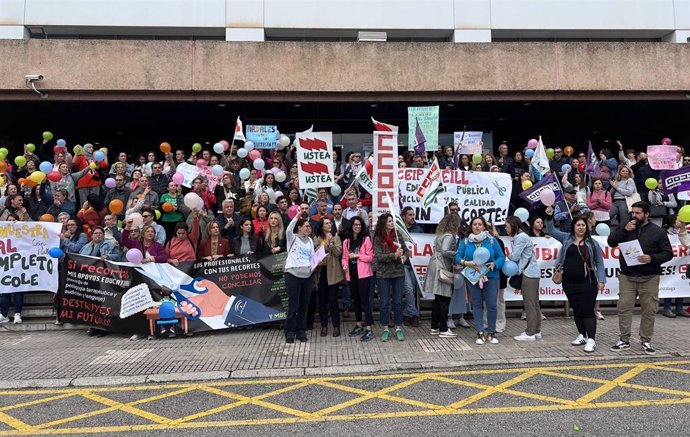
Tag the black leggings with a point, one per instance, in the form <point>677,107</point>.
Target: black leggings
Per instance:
<point>582,298</point>
<point>328,300</point>
<point>359,292</point>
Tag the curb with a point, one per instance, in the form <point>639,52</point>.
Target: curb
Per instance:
<point>118,380</point>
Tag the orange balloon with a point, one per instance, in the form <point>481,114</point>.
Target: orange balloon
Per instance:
<point>116,206</point>
<point>167,207</point>
<point>47,218</point>
<point>568,150</point>
<point>165,147</point>
<point>3,166</point>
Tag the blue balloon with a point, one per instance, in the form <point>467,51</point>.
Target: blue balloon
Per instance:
<point>510,268</point>
<point>56,252</point>
<point>61,142</point>
<point>98,156</point>
<point>529,153</point>
<point>565,168</point>
<point>46,167</point>
<point>481,255</point>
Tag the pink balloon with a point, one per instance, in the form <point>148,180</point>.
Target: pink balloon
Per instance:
<point>254,154</point>
<point>178,178</point>
<point>532,144</point>
<point>292,211</point>
<point>547,197</point>
<point>134,256</point>
<point>666,141</point>
<point>225,144</point>
<point>201,163</point>
<point>278,194</point>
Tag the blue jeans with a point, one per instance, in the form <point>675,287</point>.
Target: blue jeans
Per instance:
<point>489,296</point>
<point>667,303</point>
<point>391,287</point>
<point>5,303</point>
<point>410,295</point>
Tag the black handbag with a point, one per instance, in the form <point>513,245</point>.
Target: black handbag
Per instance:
<point>515,281</point>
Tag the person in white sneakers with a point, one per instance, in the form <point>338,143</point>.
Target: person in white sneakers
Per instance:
<point>583,275</point>
<point>5,307</point>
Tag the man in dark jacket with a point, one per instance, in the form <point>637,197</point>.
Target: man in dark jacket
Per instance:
<point>640,280</point>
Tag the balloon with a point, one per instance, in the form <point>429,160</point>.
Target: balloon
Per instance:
<point>271,193</point>
<point>217,170</point>
<point>526,185</point>
<point>4,151</point>
<point>510,268</point>
<point>476,158</point>
<point>244,173</point>
<point>158,214</point>
<point>292,211</point>
<point>191,200</point>
<point>242,153</point>
<point>336,190</point>
<point>547,197</point>
<point>225,144</point>
<point>93,166</point>
<point>196,148</point>
<point>201,163</point>
<point>45,167</point>
<point>98,156</point>
<point>110,183</point>
<point>58,149</point>
<point>522,214</point>
<point>137,219</point>
<point>280,177</point>
<point>56,252</point>
<point>565,168</point>
<point>284,140</point>
<point>684,214</point>
<point>279,193</point>
<point>651,183</point>
<point>167,207</point>
<point>568,151</point>
<point>666,141</point>
<point>178,178</point>
<point>116,206</point>
<point>20,161</point>
<point>165,147</point>
<point>218,148</point>
<point>78,150</point>
<point>254,154</point>
<point>47,135</point>
<point>603,230</point>
<point>30,147</point>
<point>61,142</point>
<point>529,153</point>
<point>532,144</point>
<point>47,218</point>
<point>37,177</point>
<point>199,203</point>
<point>134,256</point>
<point>549,153</point>
<point>54,176</point>
<point>249,146</point>
<point>2,182</point>
<point>274,170</point>
<point>3,166</point>
<point>259,163</point>
<point>481,255</point>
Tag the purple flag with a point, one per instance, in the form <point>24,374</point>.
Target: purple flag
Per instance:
<point>592,167</point>
<point>419,140</point>
<point>674,181</point>
<point>532,195</point>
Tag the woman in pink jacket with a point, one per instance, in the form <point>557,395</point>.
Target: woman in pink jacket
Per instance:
<point>358,256</point>
<point>599,201</point>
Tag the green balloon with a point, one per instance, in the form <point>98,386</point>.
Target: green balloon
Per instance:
<point>47,135</point>
<point>196,148</point>
<point>20,161</point>
<point>476,158</point>
<point>30,147</point>
<point>549,153</point>
<point>4,151</point>
<point>651,183</point>
<point>684,214</point>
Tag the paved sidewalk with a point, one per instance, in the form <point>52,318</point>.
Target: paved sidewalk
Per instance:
<point>62,358</point>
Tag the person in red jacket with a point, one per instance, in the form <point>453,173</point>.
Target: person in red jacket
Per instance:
<point>91,181</point>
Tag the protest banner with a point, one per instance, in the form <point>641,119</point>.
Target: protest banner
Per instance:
<point>189,172</point>
<point>676,181</point>
<point>220,294</point>
<point>532,195</point>
<point>385,171</point>
<point>662,157</point>
<point>468,142</point>
<point>263,136</point>
<point>477,194</point>
<point>421,249</point>
<point>428,122</point>
<point>365,176</point>
<point>24,260</point>
<point>315,159</point>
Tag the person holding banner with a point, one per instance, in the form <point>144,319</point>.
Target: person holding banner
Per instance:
<point>582,261</point>
<point>390,256</point>
<point>298,276</point>
<point>358,256</point>
<point>481,258</point>
<point>673,226</point>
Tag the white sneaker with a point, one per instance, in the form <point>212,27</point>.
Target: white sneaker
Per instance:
<point>434,332</point>
<point>525,337</point>
<point>17,318</point>
<point>492,339</point>
<point>462,322</point>
<point>480,338</point>
<point>599,315</point>
<point>448,334</point>
<point>579,341</point>
<point>450,323</point>
<point>3,319</point>
<point>523,316</point>
<point>591,345</point>
<point>537,335</point>
<point>543,317</point>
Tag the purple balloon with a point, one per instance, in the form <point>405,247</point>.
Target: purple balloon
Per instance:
<point>134,256</point>
<point>110,183</point>
<point>178,178</point>
<point>547,197</point>
<point>279,193</point>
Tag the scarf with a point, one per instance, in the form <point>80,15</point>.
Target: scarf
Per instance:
<point>478,238</point>
<point>389,239</point>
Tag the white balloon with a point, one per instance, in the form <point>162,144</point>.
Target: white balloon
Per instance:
<point>137,219</point>
<point>242,153</point>
<point>280,177</point>
<point>603,230</point>
<point>218,148</point>
<point>200,203</point>
<point>522,214</point>
<point>217,170</point>
<point>284,140</point>
<point>271,193</point>
<point>259,164</point>
<point>249,146</point>
<point>244,173</point>
<point>336,190</point>
<point>191,200</point>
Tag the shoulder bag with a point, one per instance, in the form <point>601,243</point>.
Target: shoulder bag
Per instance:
<point>557,277</point>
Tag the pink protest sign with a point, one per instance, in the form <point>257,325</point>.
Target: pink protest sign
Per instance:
<point>662,157</point>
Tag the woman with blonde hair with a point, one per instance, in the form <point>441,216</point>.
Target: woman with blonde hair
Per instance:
<point>622,187</point>
<point>274,235</point>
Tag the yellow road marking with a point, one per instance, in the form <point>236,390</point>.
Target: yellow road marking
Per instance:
<point>491,390</point>
<point>597,393</point>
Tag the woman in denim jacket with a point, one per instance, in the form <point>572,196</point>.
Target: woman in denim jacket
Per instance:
<point>583,275</point>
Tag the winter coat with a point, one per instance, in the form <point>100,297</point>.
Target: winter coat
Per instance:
<point>445,248</point>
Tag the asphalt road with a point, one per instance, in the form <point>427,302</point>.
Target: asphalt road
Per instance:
<point>643,397</point>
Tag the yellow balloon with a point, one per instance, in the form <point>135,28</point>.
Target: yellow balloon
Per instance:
<point>37,176</point>
<point>526,185</point>
<point>92,166</point>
